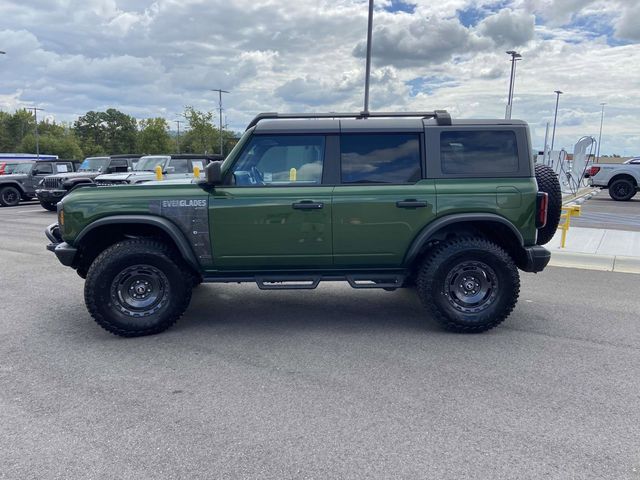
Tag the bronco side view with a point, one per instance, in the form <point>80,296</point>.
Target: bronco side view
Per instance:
<point>54,187</point>
<point>385,200</point>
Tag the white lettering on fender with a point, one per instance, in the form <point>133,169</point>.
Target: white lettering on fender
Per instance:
<point>184,203</point>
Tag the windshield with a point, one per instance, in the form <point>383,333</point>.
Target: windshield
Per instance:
<point>21,168</point>
<point>148,164</point>
<point>97,164</point>
<point>234,152</point>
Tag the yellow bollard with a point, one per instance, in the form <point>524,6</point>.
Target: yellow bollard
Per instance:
<point>196,171</point>
<point>158,172</point>
<point>293,174</point>
<point>572,211</point>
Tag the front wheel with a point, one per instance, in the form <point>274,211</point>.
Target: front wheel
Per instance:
<point>622,190</point>
<point>469,284</point>
<point>52,207</point>
<point>135,288</point>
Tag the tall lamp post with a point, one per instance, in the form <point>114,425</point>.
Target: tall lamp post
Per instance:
<point>515,56</point>
<point>600,134</point>
<point>367,73</point>
<point>555,117</point>
<point>35,114</point>
<point>178,122</point>
<point>220,92</point>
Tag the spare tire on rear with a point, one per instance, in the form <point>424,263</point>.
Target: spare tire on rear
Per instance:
<point>548,183</point>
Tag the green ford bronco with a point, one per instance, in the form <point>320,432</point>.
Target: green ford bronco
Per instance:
<point>379,200</point>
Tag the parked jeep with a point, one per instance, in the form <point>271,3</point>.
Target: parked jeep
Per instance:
<point>22,182</point>
<point>54,187</point>
<point>450,208</point>
<point>173,167</point>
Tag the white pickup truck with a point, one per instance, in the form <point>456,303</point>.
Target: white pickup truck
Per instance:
<point>622,179</point>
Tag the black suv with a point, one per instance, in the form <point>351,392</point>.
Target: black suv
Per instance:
<point>22,182</point>
<point>54,187</point>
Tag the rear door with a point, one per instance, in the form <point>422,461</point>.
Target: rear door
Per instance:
<point>274,212</point>
<point>383,200</point>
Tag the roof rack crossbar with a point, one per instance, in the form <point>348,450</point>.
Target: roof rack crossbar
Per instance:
<point>441,116</point>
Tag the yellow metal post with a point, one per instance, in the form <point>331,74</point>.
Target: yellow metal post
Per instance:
<point>196,171</point>
<point>158,172</point>
<point>293,174</point>
<point>571,211</point>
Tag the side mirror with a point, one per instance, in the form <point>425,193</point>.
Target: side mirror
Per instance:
<point>213,173</point>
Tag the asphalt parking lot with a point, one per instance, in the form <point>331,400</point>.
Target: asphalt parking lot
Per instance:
<point>331,383</point>
<point>603,212</point>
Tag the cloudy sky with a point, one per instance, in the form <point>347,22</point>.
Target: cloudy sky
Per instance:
<point>153,58</point>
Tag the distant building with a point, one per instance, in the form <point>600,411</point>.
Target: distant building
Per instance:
<point>25,157</point>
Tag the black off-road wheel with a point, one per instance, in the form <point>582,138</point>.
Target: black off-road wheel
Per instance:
<point>468,285</point>
<point>622,190</point>
<point>9,196</point>
<point>548,183</point>
<point>52,207</point>
<point>136,288</point>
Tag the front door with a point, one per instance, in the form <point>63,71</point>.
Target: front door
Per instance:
<point>273,211</point>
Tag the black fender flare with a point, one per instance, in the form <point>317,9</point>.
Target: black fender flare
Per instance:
<point>430,230</point>
<point>15,184</point>
<point>165,225</point>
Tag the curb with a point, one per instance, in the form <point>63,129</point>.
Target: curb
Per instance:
<point>580,199</point>
<point>604,263</point>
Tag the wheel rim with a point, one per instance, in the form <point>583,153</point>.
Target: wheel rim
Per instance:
<point>471,287</point>
<point>622,190</point>
<point>139,291</point>
<point>10,196</point>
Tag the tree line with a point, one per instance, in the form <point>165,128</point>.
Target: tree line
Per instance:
<point>111,132</point>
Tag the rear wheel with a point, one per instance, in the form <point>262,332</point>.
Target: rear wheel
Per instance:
<point>622,190</point>
<point>469,284</point>
<point>9,196</point>
<point>548,183</point>
<point>135,288</point>
<point>52,207</point>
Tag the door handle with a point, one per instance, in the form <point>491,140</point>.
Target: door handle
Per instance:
<point>307,205</point>
<point>411,203</point>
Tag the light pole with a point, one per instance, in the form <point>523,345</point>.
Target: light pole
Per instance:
<point>178,122</point>
<point>600,135</point>
<point>367,73</point>
<point>555,117</point>
<point>35,114</point>
<point>515,56</point>
<point>220,92</point>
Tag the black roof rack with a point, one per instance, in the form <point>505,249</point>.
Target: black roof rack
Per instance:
<point>441,116</point>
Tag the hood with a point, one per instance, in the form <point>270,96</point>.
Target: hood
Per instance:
<point>74,175</point>
<point>114,176</point>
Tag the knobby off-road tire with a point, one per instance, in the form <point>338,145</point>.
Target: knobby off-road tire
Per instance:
<point>622,190</point>
<point>9,196</point>
<point>548,182</point>
<point>52,207</point>
<point>136,288</point>
<point>468,285</point>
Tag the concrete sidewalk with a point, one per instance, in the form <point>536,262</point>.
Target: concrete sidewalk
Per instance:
<point>597,249</point>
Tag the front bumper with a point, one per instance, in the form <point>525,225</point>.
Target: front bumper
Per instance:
<point>53,196</point>
<point>65,253</point>
<point>537,258</point>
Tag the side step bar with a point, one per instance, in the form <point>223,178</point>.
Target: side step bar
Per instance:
<point>311,281</point>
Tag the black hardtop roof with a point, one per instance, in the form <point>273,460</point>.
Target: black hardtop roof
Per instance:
<point>57,160</point>
<point>126,155</point>
<point>208,156</point>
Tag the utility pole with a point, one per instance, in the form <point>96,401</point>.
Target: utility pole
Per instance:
<point>178,122</point>
<point>220,92</point>
<point>555,117</point>
<point>515,56</point>
<point>367,74</point>
<point>600,135</point>
<point>35,114</point>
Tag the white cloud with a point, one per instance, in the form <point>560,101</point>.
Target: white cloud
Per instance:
<point>147,59</point>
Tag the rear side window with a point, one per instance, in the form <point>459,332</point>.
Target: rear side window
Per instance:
<point>478,152</point>
<point>380,158</point>
<point>179,165</point>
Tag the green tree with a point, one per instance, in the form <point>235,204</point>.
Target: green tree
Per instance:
<point>202,136</point>
<point>109,132</point>
<point>153,136</point>
<point>65,146</point>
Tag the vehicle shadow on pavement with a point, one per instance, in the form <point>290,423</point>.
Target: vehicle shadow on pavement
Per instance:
<point>330,306</point>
